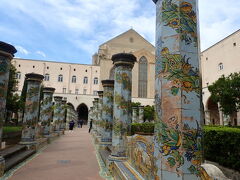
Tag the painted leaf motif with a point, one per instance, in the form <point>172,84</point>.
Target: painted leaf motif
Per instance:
<point>171,161</point>
<point>174,90</point>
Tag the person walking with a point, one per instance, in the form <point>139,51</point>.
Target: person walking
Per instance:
<point>90,126</point>
<point>71,125</point>
<point>81,122</point>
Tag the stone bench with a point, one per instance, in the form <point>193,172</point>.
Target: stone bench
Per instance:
<point>124,171</point>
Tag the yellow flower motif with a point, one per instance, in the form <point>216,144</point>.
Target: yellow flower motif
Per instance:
<point>186,7</point>
<point>196,162</point>
<point>187,86</point>
<point>165,51</point>
<point>186,68</point>
<point>166,149</point>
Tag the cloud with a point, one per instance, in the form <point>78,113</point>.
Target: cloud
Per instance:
<point>41,53</point>
<point>22,50</point>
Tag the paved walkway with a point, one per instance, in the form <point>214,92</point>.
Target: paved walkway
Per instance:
<point>71,157</point>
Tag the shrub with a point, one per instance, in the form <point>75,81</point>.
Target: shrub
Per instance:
<point>143,128</point>
<point>221,145</point>
<point>8,129</point>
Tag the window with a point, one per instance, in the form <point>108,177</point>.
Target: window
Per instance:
<point>64,90</point>
<point>47,67</point>
<point>234,44</point>
<point>60,78</point>
<point>18,75</point>
<point>95,93</point>
<point>74,79</point>
<point>85,70</point>
<point>84,91</point>
<point>142,77</point>
<point>76,91</point>
<point>60,68</point>
<point>46,77</point>
<point>206,58</point>
<point>220,66</point>
<point>95,81</point>
<point>85,80</point>
<point>19,65</point>
<point>33,66</point>
<point>74,69</point>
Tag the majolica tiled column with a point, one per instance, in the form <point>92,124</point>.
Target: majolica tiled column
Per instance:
<point>122,114</point>
<point>178,132</point>
<point>30,118</point>
<point>46,113</point>
<point>107,110</point>
<point>63,115</point>
<point>96,122</point>
<point>57,113</point>
<point>141,114</point>
<point>7,52</point>
<point>100,120</point>
<point>134,115</point>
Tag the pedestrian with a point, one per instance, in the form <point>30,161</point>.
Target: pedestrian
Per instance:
<point>71,125</point>
<point>81,122</point>
<point>90,126</point>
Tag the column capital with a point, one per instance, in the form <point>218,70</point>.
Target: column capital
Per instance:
<point>48,90</point>
<point>108,83</point>
<point>58,98</point>
<point>124,59</point>
<point>7,48</point>
<point>34,77</point>
<point>100,93</point>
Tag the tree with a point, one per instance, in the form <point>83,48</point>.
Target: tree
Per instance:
<point>12,101</point>
<point>149,113</point>
<point>226,92</point>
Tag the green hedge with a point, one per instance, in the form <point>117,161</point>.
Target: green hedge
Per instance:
<point>8,129</point>
<point>144,128</point>
<point>221,143</point>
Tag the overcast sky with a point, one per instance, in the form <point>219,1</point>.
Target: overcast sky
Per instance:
<point>72,30</point>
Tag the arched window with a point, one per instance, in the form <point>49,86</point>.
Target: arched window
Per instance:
<point>142,77</point>
<point>18,75</point>
<point>60,78</point>
<point>95,81</point>
<point>74,79</point>
<point>85,80</point>
<point>220,66</point>
<point>46,77</point>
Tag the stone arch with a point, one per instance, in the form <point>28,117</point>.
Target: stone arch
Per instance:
<point>71,105</point>
<point>213,111</point>
<point>82,111</point>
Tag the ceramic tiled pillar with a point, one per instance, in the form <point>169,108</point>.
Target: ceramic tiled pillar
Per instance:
<point>7,52</point>
<point>95,105</point>
<point>178,131</point>
<point>57,115</point>
<point>122,114</point>
<point>134,115</point>
<point>100,120</point>
<point>141,114</point>
<point>46,113</point>
<point>30,119</point>
<point>63,115</point>
<point>107,109</point>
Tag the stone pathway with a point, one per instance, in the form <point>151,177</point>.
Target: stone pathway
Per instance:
<point>71,157</point>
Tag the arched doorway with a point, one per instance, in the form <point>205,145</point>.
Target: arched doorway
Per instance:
<point>83,112</point>
<point>213,112</point>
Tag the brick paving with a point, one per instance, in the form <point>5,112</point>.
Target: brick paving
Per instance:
<point>71,157</point>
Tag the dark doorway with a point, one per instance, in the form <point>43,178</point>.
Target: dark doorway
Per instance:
<point>83,112</point>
